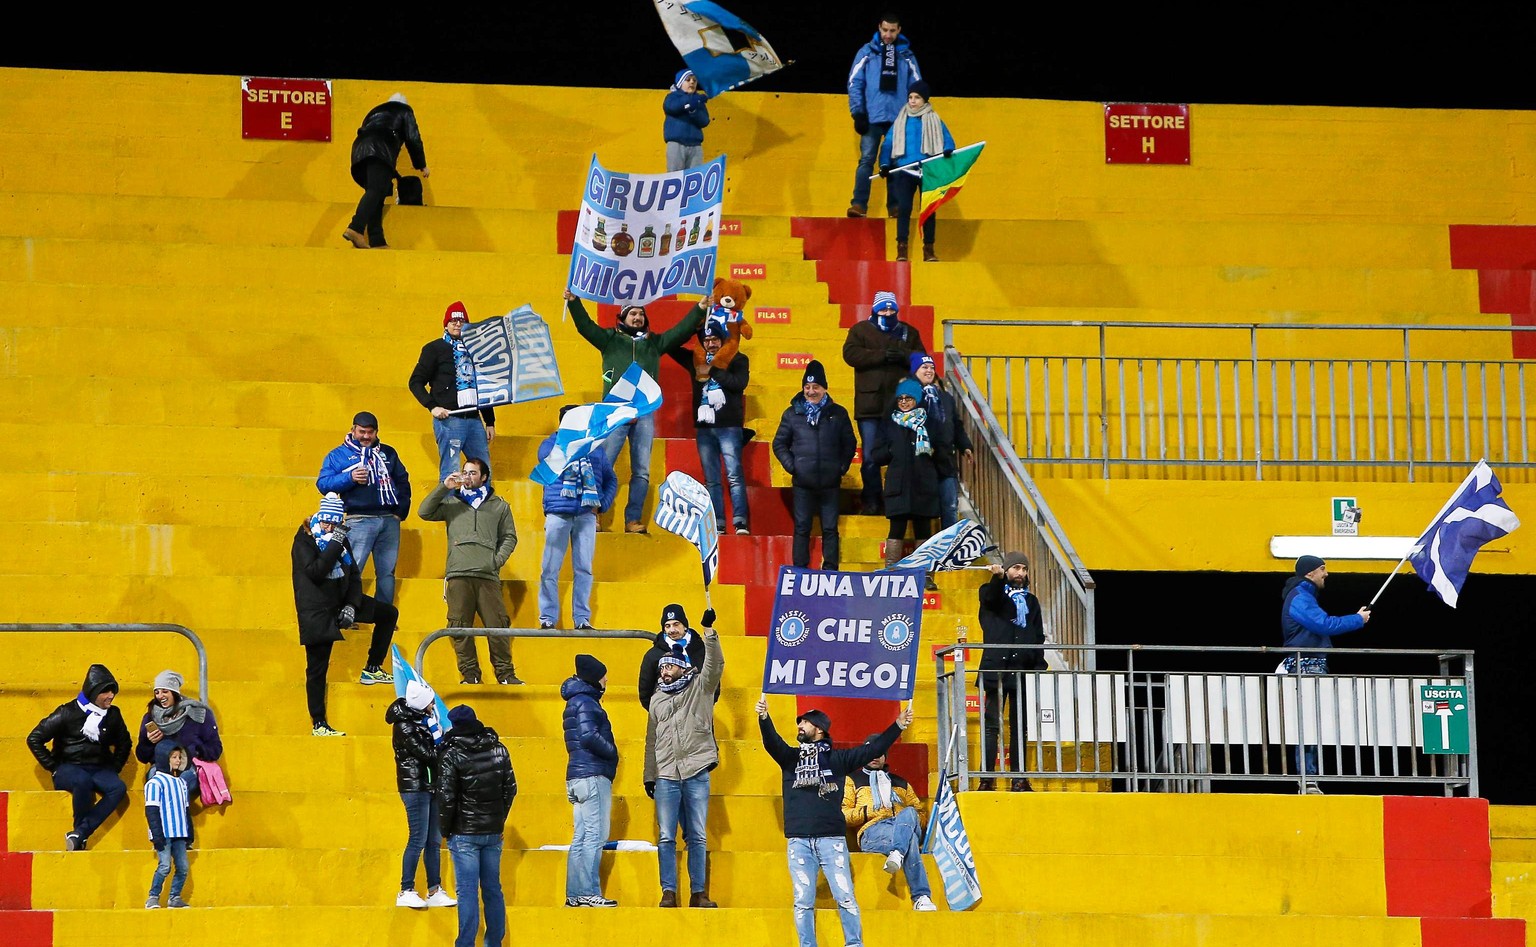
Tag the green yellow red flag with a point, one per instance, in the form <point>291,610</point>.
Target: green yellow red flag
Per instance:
<point>944,175</point>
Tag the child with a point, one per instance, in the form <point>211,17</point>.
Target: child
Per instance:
<point>917,133</point>
<point>167,795</point>
<point>683,128</point>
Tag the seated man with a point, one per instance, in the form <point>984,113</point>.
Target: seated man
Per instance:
<point>886,817</point>
<point>90,746</point>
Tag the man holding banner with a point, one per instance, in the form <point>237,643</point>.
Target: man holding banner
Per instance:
<point>443,381</point>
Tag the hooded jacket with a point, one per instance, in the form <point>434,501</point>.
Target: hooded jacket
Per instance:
<point>415,750</point>
<point>63,727</point>
<point>589,743</point>
<point>619,349</point>
<point>864,95</point>
<point>317,598</point>
<point>998,627</point>
<point>874,375</point>
<point>680,730</point>
<point>810,812</point>
<point>1304,624</point>
<point>815,457</point>
<point>480,539</point>
<point>687,116</point>
<point>385,128</point>
<point>166,808</point>
<point>476,783</point>
<point>607,485</point>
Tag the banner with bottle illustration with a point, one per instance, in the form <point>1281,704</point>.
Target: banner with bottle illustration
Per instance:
<point>514,358</point>
<point>644,236</point>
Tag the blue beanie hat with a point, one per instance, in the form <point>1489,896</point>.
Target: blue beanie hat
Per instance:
<point>332,510</point>
<point>463,713</point>
<point>910,387</point>
<point>883,299</point>
<point>919,359</point>
<point>1307,564</point>
<point>677,81</point>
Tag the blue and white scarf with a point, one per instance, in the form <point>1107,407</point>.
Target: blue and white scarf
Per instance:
<point>813,409</point>
<point>915,421</point>
<point>476,496</point>
<point>935,405</point>
<point>372,459</point>
<point>322,539</point>
<point>463,365</point>
<point>582,472</point>
<point>93,717</point>
<point>1020,598</point>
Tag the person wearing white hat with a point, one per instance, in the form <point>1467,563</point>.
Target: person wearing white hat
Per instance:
<point>416,730</point>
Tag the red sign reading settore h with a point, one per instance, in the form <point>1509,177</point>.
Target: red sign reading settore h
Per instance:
<point>285,109</point>
<point>1146,134</point>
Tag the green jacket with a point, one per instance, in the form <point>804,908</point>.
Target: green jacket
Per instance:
<point>680,733</point>
<point>480,541</point>
<point>620,350</point>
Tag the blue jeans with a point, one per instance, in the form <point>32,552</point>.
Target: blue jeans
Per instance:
<point>1306,753</point>
<point>581,533</point>
<point>379,537</point>
<point>900,834</point>
<point>421,818</point>
<point>949,501</point>
<point>477,865</point>
<point>873,495</point>
<point>830,856</point>
<point>591,802</point>
<point>459,436</point>
<point>869,153</point>
<point>684,801</point>
<point>175,851</point>
<point>640,432</point>
<point>84,784</point>
<point>724,443</point>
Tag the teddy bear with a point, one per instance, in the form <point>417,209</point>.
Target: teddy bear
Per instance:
<point>727,316</point>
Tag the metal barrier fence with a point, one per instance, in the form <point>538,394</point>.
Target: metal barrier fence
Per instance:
<point>106,628</point>
<point>1120,398</point>
<point>1017,518</point>
<point>1190,719</point>
<point>421,649</point>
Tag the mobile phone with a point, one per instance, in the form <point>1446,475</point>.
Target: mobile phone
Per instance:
<point>152,729</point>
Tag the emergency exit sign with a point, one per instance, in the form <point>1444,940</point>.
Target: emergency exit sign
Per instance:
<point>1443,718</point>
<point>1146,134</point>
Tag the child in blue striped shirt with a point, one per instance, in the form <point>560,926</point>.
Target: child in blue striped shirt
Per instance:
<point>168,794</point>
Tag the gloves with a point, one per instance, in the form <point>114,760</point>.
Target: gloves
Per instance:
<point>340,530</point>
<point>949,152</point>
<point>347,617</point>
<point>159,844</point>
<point>861,122</point>
<point>650,790</point>
<point>885,170</point>
<point>708,620</point>
<point>895,355</point>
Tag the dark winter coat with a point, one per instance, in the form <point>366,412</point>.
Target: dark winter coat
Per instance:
<point>415,750</point>
<point>476,784</point>
<point>385,128</point>
<point>201,740</point>
<point>810,812</point>
<point>433,383</point>
<point>589,740</point>
<point>650,663</point>
<point>63,726</point>
<point>316,597</point>
<point>879,360</point>
<point>817,457</point>
<point>947,436</point>
<point>911,481</point>
<point>732,380</point>
<point>996,613</point>
<point>687,115</point>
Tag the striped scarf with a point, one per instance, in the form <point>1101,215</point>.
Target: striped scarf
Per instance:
<point>463,365</point>
<point>372,459</point>
<point>680,683</point>
<point>808,768</point>
<point>881,794</point>
<point>476,496</point>
<point>582,472</point>
<point>93,717</point>
<point>322,539</point>
<point>915,421</point>
<point>813,410</point>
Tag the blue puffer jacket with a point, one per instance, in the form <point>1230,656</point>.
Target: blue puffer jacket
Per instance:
<point>864,93</point>
<point>1304,623</point>
<point>687,114</point>
<point>607,483</point>
<point>588,735</point>
<point>364,498</point>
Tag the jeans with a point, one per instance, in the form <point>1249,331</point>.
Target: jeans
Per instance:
<point>724,443</point>
<point>810,502</point>
<point>84,784</point>
<point>1306,753</point>
<point>174,852</point>
<point>580,530</point>
<point>873,494</point>
<point>421,818</point>
<point>640,432</point>
<point>379,537</point>
<point>901,188</point>
<point>459,436</point>
<point>869,153</point>
<point>949,501</point>
<point>684,801</point>
<point>378,183</point>
<point>317,656</point>
<point>830,855</point>
<point>477,864</point>
<point>903,834</point>
<point>591,802</point>
<point>468,595</point>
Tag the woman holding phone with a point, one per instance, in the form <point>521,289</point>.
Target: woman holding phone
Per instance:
<point>190,721</point>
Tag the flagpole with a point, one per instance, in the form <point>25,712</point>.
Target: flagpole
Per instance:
<point>913,164</point>
<point>1454,494</point>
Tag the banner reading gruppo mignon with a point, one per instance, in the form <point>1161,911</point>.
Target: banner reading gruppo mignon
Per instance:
<point>644,236</point>
<point>845,634</point>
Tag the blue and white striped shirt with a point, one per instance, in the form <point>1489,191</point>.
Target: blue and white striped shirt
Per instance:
<point>169,794</point>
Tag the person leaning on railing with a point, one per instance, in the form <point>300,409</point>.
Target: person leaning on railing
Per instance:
<point>1304,624</point>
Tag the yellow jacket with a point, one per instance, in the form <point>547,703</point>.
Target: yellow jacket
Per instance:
<point>859,810</point>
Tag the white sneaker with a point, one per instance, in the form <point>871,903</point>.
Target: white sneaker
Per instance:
<point>440,898</point>
<point>893,863</point>
<point>924,903</point>
<point>1313,789</point>
<point>410,899</point>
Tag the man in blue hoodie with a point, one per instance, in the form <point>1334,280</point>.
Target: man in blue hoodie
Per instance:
<point>1304,624</point>
<point>877,94</point>
<point>376,491</point>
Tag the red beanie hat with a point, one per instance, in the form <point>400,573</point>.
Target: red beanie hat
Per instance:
<point>455,311</point>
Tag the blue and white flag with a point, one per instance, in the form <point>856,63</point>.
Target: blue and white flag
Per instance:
<point>949,549</point>
<point>585,426</point>
<point>951,850</point>
<point>1474,517</point>
<point>845,634</point>
<point>514,358</point>
<point>684,507</point>
<point>437,722</point>
<point>723,50</point>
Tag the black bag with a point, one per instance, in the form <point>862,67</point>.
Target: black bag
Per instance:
<point>409,190</point>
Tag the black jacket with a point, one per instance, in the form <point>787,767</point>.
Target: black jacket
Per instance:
<point>947,434</point>
<point>589,745</point>
<point>911,481</point>
<point>317,598</point>
<point>385,128</point>
<point>879,361</point>
<point>732,380</point>
<point>415,751</point>
<point>476,783</point>
<point>997,627</point>
<point>650,663</point>
<point>432,380</point>
<point>817,457</point>
<point>70,745</point>
<point>809,811</point>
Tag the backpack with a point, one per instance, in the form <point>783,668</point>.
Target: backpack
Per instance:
<point>408,192</point>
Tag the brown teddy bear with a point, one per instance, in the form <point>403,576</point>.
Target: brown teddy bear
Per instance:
<point>729,315</point>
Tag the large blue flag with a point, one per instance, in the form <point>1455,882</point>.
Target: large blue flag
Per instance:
<point>721,48</point>
<point>949,549</point>
<point>584,427</point>
<point>1474,517</point>
<point>951,848</point>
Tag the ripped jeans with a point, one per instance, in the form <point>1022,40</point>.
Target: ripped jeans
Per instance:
<point>830,856</point>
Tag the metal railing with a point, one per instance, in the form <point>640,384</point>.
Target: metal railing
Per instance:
<point>109,628</point>
<point>1138,399</point>
<point>1191,719</point>
<point>608,633</point>
<point>1017,517</point>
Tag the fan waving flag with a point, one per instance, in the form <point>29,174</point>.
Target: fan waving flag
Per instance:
<point>943,177</point>
<point>514,358</point>
<point>584,427</point>
<point>949,549</point>
<point>1474,517</point>
<point>723,50</point>
<point>683,506</point>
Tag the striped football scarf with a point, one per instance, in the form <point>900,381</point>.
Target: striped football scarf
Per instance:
<point>373,460</point>
<point>915,421</point>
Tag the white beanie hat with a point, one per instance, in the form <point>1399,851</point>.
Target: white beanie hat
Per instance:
<point>418,696</point>
<point>168,680</point>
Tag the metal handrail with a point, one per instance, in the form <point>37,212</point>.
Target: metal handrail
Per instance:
<point>602,633</point>
<point>108,627</point>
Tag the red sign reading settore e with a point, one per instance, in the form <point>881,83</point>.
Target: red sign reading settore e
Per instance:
<point>285,109</point>
<point>1146,134</point>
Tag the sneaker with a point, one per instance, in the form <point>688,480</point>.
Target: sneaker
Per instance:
<point>598,901</point>
<point>176,902</point>
<point>356,239</point>
<point>545,625</point>
<point>510,679</point>
<point>74,842</point>
<point>323,729</point>
<point>584,626</point>
<point>923,903</point>
<point>153,904</point>
<point>466,680</point>
<point>410,899</point>
<point>375,676</point>
<point>574,903</point>
<point>1313,789</point>
<point>741,530</point>
<point>893,863</point>
<point>440,898</point>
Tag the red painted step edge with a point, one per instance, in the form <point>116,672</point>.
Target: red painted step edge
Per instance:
<point>1471,932</point>
<point>27,928</point>
<point>1437,857</point>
